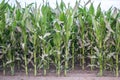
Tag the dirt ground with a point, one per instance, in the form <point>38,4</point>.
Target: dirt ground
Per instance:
<point>51,75</point>
<point>55,78</point>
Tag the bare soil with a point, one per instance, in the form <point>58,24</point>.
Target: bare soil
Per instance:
<point>51,75</point>
<point>76,74</point>
<point>56,78</point>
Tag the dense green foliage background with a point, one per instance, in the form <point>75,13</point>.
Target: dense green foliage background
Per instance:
<point>37,37</point>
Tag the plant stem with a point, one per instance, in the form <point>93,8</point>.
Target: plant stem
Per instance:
<point>92,61</point>
<point>100,61</point>
<point>25,52</point>
<point>58,71</point>
<point>35,66</point>
<point>12,70</point>
<point>66,61</point>
<point>11,64</point>
<point>26,69</point>
<point>45,71</point>
<point>44,63</point>
<point>73,62</point>
<point>117,69</point>
<point>83,61</point>
<point>25,57</point>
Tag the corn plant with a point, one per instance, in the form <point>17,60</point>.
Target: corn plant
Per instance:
<point>45,34</point>
<point>11,44</point>
<point>68,27</point>
<point>57,41</point>
<point>82,30</point>
<point>24,35</point>
<point>2,27</point>
<point>100,34</point>
<point>35,17</point>
<point>117,35</point>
